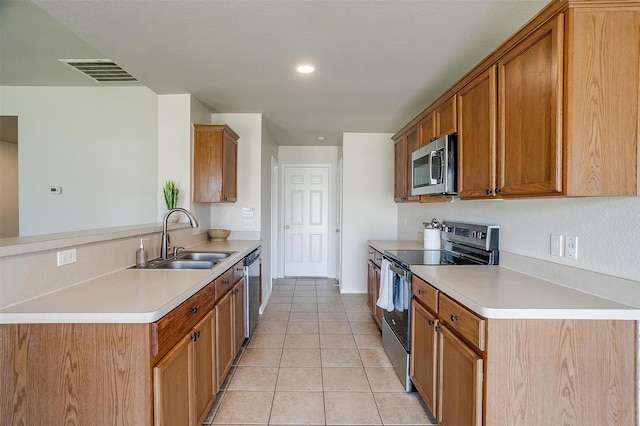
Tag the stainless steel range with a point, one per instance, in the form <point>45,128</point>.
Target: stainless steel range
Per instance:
<point>462,244</point>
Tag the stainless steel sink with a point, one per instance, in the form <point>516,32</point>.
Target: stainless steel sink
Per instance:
<point>178,264</point>
<point>189,260</point>
<point>204,255</point>
<point>184,264</point>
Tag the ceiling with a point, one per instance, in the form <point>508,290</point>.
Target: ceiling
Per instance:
<point>378,63</point>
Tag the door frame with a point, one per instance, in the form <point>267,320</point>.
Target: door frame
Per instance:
<point>331,236</point>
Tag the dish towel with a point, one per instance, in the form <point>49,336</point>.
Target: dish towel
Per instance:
<point>385,297</point>
<point>400,294</point>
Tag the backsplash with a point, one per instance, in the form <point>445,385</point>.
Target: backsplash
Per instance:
<point>29,275</point>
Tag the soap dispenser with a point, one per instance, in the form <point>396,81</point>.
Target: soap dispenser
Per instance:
<point>141,256</point>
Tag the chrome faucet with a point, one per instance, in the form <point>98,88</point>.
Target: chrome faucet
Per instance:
<point>164,249</point>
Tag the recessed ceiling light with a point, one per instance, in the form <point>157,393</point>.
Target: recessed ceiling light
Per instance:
<point>320,139</point>
<point>305,69</point>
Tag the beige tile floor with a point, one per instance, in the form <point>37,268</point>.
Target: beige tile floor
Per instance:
<point>316,358</point>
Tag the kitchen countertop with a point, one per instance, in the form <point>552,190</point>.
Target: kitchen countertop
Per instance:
<point>497,292</point>
<point>127,295</point>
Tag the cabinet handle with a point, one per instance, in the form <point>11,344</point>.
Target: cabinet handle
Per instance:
<point>194,337</point>
<point>498,190</point>
<point>420,291</point>
<point>194,310</point>
<point>487,191</point>
<point>197,334</point>
<point>454,318</point>
<point>437,329</point>
<point>431,322</point>
<point>225,282</point>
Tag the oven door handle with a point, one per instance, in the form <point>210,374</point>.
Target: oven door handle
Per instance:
<point>398,271</point>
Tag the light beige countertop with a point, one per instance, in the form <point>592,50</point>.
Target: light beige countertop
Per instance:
<point>498,292</point>
<point>127,295</point>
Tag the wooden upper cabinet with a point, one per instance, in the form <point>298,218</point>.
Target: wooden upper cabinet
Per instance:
<point>427,129</point>
<point>530,93</point>
<point>403,148</point>
<point>601,132</point>
<point>477,136</point>
<point>215,159</point>
<point>447,117</point>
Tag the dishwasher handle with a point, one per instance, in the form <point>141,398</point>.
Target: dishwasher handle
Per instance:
<point>252,257</point>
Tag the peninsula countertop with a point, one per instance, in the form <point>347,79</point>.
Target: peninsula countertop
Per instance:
<point>496,292</point>
<point>127,295</point>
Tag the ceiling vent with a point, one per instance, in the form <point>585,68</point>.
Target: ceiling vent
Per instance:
<point>101,70</point>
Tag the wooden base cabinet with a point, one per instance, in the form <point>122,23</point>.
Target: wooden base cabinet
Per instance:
<point>373,284</point>
<point>225,351</point>
<point>424,355</point>
<point>184,378</point>
<point>460,382</point>
<point>518,372</point>
<point>238,315</point>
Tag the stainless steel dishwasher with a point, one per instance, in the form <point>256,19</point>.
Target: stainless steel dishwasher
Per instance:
<point>252,273</point>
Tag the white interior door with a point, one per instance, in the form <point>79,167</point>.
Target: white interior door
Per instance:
<point>306,221</point>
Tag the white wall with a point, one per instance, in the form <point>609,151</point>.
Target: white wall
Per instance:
<point>9,217</point>
<point>174,149</point>
<point>99,144</point>
<point>228,215</point>
<point>269,150</point>
<point>310,155</point>
<point>176,114</point>
<point>608,229</point>
<point>368,210</point>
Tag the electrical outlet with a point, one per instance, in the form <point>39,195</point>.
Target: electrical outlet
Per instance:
<point>248,223</point>
<point>66,257</point>
<point>556,245</point>
<point>571,247</point>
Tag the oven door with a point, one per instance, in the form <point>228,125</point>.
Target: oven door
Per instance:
<point>399,319</point>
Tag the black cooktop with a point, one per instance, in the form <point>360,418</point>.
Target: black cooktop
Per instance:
<point>417,257</point>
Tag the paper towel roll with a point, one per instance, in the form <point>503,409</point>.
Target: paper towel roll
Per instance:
<point>432,239</point>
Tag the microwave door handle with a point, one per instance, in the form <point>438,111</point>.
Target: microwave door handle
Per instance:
<point>432,155</point>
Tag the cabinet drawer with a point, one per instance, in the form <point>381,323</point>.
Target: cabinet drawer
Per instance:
<point>425,294</point>
<point>238,271</point>
<point>173,326</point>
<point>224,283</point>
<point>377,258</point>
<point>463,322</point>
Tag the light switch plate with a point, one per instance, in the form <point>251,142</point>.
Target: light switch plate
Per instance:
<point>556,245</point>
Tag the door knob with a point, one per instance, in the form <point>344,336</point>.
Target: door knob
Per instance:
<point>286,227</point>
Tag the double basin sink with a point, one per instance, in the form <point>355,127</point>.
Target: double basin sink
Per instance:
<point>189,260</point>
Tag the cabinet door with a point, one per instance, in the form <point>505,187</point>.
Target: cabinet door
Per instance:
<point>371,301</point>
<point>459,383</point>
<point>376,293</point>
<point>238,316</point>
<point>424,355</point>
<point>446,118</point>
<point>399,170</point>
<point>171,386</point>
<point>203,371</point>
<point>530,87</point>
<point>477,136</point>
<point>427,129</point>
<point>230,169</point>
<point>224,337</point>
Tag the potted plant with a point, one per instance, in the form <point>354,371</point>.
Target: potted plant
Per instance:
<point>171,192</point>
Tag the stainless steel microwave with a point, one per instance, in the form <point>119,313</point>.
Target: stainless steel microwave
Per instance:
<point>434,167</point>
